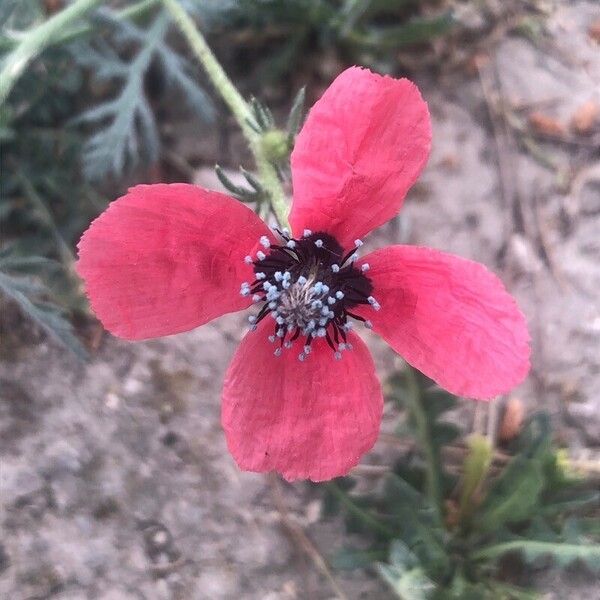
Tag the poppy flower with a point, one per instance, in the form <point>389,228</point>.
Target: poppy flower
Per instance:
<point>301,396</point>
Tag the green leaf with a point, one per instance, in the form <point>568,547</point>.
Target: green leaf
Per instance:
<point>415,522</point>
<point>47,316</point>
<point>296,115</point>
<point>127,132</point>
<point>562,553</point>
<point>514,496</point>
<point>404,575</point>
<point>354,558</point>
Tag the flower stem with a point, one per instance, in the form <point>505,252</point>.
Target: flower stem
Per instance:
<point>432,462</point>
<point>236,104</point>
<point>36,40</point>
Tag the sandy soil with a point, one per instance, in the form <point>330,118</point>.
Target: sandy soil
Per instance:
<point>115,479</point>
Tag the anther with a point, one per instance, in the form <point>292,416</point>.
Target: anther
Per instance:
<point>339,294</point>
<point>335,268</point>
<point>358,243</point>
<point>302,280</point>
<point>365,267</point>
<point>319,243</point>
<point>306,233</point>
<point>277,352</point>
<point>373,303</point>
<point>248,259</point>
<point>261,255</point>
<point>338,355</point>
<point>368,324</point>
<point>291,244</point>
<point>260,276</point>
<point>264,242</point>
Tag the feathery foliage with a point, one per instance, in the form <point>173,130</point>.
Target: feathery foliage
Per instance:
<point>427,547</point>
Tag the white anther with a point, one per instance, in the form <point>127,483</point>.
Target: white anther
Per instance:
<point>368,325</point>
<point>335,268</point>
<point>339,294</point>
<point>365,267</point>
<point>331,300</point>
<point>251,319</point>
<point>248,260</point>
<point>260,276</point>
<point>256,298</point>
<point>306,233</point>
<point>261,255</point>
<point>277,352</point>
<point>302,280</point>
<point>337,356</point>
<point>264,241</point>
<point>358,243</point>
<point>291,244</point>
<point>319,243</point>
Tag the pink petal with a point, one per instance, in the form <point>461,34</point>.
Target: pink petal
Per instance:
<point>362,147</point>
<point>167,258</point>
<point>450,318</point>
<point>311,419</point>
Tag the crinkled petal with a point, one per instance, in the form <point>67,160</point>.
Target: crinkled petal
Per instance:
<point>362,147</point>
<point>450,318</point>
<point>305,420</point>
<point>166,258</point>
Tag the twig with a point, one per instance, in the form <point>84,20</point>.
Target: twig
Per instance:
<point>546,247</point>
<point>298,535</point>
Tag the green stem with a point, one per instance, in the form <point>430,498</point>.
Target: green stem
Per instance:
<point>36,40</point>
<point>432,462</point>
<point>236,104</point>
<point>133,12</point>
<point>368,519</point>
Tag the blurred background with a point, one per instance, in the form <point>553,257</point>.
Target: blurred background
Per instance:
<point>115,481</point>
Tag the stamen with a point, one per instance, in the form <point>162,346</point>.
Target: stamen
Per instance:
<point>308,288</point>
<point>373,303</point>
<point>365,267</point>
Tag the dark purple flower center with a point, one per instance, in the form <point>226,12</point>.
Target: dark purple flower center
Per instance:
<point>308,286</point>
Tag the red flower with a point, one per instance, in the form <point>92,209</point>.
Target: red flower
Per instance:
<point>168,258</point>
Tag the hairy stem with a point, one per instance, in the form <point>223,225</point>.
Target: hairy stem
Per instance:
<point>36,40</point>
<point>432,462</point>
<point>236,104</point>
